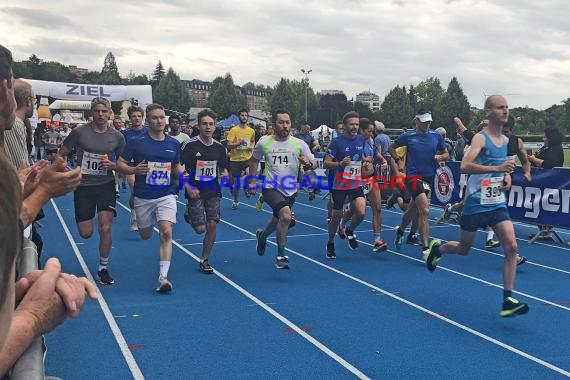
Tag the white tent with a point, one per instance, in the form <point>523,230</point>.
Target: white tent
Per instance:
<point>321,131</point>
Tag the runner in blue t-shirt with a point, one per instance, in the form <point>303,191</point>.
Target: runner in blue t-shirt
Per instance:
<point>425,152</point>
<point>485,204</point>
<point>155,161</point>
<point>136,129</point>
<point>344,158</point>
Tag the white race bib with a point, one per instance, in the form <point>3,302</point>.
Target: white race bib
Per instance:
<point>366,187</point>
<point>281,157</point>
<point>91,164</point>
<point>206,169</point>
<point>492,191</point>
<point>244,145</point>
<point>353,170</point>
<point>158,173</point>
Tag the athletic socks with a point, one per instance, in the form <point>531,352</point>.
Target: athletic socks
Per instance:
<point>103,262</point>
<point>164,267</point>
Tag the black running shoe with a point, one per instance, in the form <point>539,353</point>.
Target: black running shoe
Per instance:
<point>352,242</point>
<point>104,277</point>
<point>330,251</point>
<point>512,308</point>
<point>205,267</point>
<point>261,242</point>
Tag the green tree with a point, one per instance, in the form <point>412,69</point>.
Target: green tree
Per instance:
<point>225,97</point>
<point>285,97</point>
<point>21,70</point>
<point>364,110</point>
<point>454,103</point>
<point>133,79</point>
<point>331,109</point>
<point>110,71</point>
<point>171,93</point>
<point>91,77</point>
<point>54,71</point>
<point>157,74</point>
<point>396,108</point>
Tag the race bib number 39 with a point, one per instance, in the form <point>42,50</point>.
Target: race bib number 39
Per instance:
<point>158,173</point>
<point>492,191</point>
<point>91,164</point>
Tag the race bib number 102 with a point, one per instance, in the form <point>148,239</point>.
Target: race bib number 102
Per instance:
<point>91,164</point>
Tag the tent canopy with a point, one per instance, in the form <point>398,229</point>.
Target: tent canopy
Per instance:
<point>229,122</point>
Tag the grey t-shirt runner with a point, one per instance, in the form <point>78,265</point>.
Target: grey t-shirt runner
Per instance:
<point>91,146</point>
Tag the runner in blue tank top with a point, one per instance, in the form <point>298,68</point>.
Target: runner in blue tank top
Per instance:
<point>485,205</point>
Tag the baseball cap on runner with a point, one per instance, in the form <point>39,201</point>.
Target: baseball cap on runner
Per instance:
<point>424,117</point>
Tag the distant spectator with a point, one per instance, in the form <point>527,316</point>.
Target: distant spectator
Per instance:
<point>551,154</point>
<point>448,143</point>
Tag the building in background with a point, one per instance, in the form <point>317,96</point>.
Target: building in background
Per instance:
<point>199,91</point>
<point>332,92</point>
<point>369,98</point>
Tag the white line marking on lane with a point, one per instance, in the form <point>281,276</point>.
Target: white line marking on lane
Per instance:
<point>127,354</point>
<point>421,308</point>
<point>355,371</point>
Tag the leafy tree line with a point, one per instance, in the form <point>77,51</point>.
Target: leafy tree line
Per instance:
<point>397,109</point>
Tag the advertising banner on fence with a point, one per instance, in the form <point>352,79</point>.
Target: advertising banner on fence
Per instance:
<point>544,200</point>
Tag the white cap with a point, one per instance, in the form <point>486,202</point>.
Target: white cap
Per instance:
<point>379,124</point>
<point>424,117</point>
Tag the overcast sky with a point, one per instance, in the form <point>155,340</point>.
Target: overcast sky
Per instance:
<point>520,48</point>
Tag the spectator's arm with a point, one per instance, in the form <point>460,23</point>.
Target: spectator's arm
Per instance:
<point>521,154</point>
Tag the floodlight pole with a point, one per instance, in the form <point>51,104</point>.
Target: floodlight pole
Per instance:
<point>306,73</point>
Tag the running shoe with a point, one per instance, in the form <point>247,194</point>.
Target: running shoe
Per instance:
<point>293,220</point>
<point>124,186</point>
<point>261,242</point>
<point>352,242</point>
<point>341,232</point>
<point>330,251</point>
<point>134,225</point>
<point>447,212</point>
<point>379,245</point>
<point>259,204</point>
<point>512,308</point>
<point>282,262</point>
<point>413,239</point>
<point>392,199</point>
<point>164,286</point>
<point>432,256</point>
<point>205,267</point>
<point>312,195</point>
<point>104,277</point>
<point>117,195</point>
<point>521,260</point>
<point>235,205</point>
<point>492,243</point>
<point>399,238</point>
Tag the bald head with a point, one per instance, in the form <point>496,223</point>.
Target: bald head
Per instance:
<point>492,100</point>
<point>22,92</point>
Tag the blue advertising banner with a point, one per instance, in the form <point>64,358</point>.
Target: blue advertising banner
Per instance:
<point>544,200</point>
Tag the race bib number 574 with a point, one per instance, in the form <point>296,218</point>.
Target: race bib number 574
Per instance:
<point>158,173</point>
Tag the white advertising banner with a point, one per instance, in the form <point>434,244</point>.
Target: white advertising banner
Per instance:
<point>77,91</point>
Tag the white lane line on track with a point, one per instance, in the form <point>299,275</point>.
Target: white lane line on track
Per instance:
<point>127,354</point>
<point>355,371</point>
<point>391,228</point>
<point>418,307</point>
<point>487,283</point>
